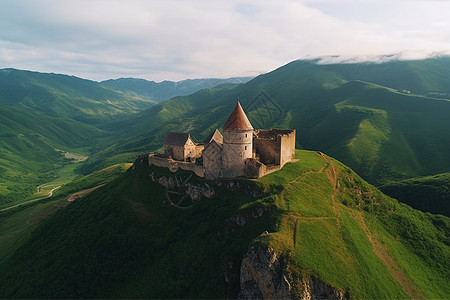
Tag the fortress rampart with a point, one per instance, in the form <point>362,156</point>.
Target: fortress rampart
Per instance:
<point>174,165</point>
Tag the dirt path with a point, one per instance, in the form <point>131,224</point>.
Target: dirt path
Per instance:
<point>31,201</point>
<point>378,248</point>
<point>293,218</point>
<point>382,253</point>
<point>333,178</point>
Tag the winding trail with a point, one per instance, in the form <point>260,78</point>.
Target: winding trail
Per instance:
<point>293,218</point>
<point>31,201</point>
<point>382,253</point>
<point>333,177</point>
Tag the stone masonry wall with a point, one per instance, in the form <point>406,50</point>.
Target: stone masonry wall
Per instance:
<point>268,151</point>
<point>275,146</point>
<point>174,165</point>
<point>212,160</point>
<point>287,145</point>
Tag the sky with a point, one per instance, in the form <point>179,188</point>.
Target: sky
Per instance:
<point>175,40</point>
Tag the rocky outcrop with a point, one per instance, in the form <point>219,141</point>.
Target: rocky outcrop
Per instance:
<point>201,189</point>
<point>197,191</point>
<point>265,274</point>
<point>314,288</point>
<point>243,217</point>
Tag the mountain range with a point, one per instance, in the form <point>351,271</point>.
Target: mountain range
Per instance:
<point>160,91</point>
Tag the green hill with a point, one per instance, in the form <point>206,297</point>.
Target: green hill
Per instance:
<point>62,95</point>
<point>313,227</point>
<point>428,193</point>
<point>340,109</point>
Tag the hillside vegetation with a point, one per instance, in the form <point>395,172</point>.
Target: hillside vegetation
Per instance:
<point>62,95</point>
<point>17,224</point>
<point>123,240</point>
<point>428,193</point>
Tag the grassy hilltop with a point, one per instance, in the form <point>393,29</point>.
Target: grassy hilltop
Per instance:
<point>122,241</point>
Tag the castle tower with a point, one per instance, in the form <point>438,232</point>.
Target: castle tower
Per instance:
<point>237,143</point>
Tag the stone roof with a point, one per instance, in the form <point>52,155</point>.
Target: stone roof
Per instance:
<point>214,136</point>
<point>177,138</point>
<point>237,120</point>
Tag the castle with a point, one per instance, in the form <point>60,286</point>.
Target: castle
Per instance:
<point>241,151</point>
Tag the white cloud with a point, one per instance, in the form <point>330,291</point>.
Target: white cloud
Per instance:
<point>159,40</point>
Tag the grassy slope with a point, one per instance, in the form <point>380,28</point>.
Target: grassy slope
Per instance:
<point>325,218</point>
<point>429,193</point>
<point>62,95</point>
<point>370,236</point>
<point>17,225</point>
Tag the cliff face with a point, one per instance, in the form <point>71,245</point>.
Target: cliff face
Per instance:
<point>265,275</point>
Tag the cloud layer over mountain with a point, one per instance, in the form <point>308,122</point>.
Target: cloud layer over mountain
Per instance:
<point>158,40</point>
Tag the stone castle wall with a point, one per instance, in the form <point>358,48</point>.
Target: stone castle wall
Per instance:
<point>275,146</point>
<point>174,165</point>
<point>256,169</point>
<point>244,153</point>
<point>268,151</point>
<point>287,146</point>
<point>177,152</point>
<point>212,160</point>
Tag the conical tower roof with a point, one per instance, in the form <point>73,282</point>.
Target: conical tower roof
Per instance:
<point>237,120</point>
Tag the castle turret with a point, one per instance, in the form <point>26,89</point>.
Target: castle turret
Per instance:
<point>237,143</point>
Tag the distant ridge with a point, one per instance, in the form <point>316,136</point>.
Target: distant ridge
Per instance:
<point>160,91</point>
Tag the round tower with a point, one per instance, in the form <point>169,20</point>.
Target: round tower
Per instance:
<point>237,143</point>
